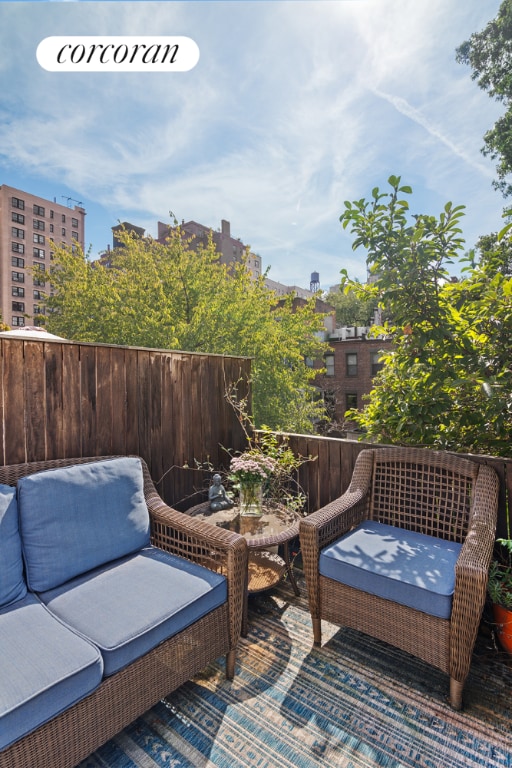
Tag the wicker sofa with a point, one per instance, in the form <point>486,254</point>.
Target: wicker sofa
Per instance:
<point>119,599</point>
<point>403,555</point>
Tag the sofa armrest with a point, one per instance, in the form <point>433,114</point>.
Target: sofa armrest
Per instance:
<point>212,547</point>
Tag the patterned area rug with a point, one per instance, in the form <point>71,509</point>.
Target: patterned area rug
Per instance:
<point>353,703</point>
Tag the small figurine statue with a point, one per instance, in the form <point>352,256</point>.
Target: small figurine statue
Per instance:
<point>217,497</point>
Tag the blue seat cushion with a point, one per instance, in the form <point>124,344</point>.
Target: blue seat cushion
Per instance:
<point>12,582</point>
<point>128,607</point>
<point>73,519</point>
<point>403,566</point>
<point>45,668</point>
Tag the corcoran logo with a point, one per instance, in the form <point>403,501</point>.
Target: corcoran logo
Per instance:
<point>117,54</point>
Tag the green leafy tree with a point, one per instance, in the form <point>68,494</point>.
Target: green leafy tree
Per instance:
<point>172,297</point>
<point>489,54</point>
<point>351,308</point>
<point>447,383</point>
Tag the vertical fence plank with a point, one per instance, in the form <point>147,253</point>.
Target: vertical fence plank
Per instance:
<point>119,442</point>
<point>143,405</point>
<point>156,427</point>
<point>104,401</point>
<point>14,433</point>
<point>53,378</point>
<point>69,389</point>
<point>35,396</point>
<point>132,402</point>
<point>88,400</point>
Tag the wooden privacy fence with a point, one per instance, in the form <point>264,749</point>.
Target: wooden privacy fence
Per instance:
<point>328,475</point>
<point>66,399</point>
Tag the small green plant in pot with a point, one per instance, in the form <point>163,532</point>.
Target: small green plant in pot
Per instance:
<point>499,588</point>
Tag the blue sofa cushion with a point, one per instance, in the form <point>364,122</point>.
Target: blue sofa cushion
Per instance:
<point>45,668</point>
<point>12,582</point>
<point>128,607</point>
<point>74,519</point>
<point>404,566</point>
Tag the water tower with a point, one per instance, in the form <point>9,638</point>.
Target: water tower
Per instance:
<point>315,282</point>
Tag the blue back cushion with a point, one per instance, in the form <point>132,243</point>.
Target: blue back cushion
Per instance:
<point>12,583</point>
<point>77,518</point>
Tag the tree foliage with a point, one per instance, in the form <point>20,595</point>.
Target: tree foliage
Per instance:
<point>447,383</point>
<point>172,297</point>
<point>489,54</point>
<point>351,308</point>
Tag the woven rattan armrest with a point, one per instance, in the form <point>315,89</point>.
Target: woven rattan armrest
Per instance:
<point>219,550</point>
<point>471,572</point>
<point>339,516</point>
<point>329,523</point>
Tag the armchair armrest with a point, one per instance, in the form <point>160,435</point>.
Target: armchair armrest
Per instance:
<point>339,516</point>
<point>472,570</point>
<point>329,523</point>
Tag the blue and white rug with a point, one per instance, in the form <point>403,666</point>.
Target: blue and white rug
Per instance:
<point>354,703</point>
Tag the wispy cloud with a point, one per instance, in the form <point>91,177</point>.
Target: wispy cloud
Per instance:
<point>416,115</point>
<point>292,108</point>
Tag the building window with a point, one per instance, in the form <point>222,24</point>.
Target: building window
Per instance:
<point>351,359</point>
<point>350,400</point>
<point>74,235</point>
<point>17,203</point>
<point>38,310</point>
<point>38,224</point>
<point>17,247</point>
<point>17,277</point>
<point>63,218</point>
<point>17,261</point>
<point>18,291</point>
<point>19,218</point>
<point>39,295</point>
<point>17,321</point>
<point>39,253</point>
<point>38,281</point>
<point>51,227</point>
<point>38,238</point>
<point>329,364</point>
<point>18,306</point>
<point>376,362</point>
<point>74,223</point>
<point>63,232</point>
<point>38,210</point>
<point>15,232</point>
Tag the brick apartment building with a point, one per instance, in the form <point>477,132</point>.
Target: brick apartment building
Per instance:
<point>29,225</point>
<point>350,364</point>
<point>231,249</point>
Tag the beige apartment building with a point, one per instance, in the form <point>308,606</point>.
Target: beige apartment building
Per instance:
<point>29,226</point>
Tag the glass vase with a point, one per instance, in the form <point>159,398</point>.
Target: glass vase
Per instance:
<point>251,499</point>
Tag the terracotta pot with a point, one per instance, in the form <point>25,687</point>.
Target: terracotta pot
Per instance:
<point>503,621</point>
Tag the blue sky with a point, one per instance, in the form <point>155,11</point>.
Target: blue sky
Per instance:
<point>294,107</point>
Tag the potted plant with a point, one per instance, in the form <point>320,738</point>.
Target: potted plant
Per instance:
<point>499,588</point>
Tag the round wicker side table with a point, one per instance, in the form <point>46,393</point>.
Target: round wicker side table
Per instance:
<point>277,526</point>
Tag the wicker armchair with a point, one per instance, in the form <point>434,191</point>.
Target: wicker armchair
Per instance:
<point>433,493</point>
